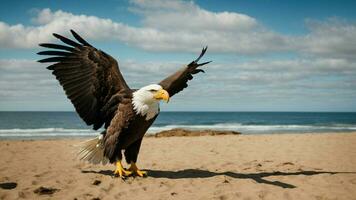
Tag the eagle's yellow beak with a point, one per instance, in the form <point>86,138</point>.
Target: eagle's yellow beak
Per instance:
<point>162,95</point>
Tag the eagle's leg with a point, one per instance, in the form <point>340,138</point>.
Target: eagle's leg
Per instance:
<point>134,170</point>
<point>120,170</point>
<point>131,154</point>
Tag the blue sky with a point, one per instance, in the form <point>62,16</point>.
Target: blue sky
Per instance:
<point>267,55</point>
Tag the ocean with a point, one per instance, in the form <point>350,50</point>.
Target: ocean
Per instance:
<point>44,125</point>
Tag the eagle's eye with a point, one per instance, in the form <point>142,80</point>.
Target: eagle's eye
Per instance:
<point>153,90</point>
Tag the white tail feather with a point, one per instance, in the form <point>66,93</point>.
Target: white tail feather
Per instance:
<point>92,151</point>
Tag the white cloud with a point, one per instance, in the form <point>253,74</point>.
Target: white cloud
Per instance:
<point>174,26</point>
<point>24,79</point>
<point>244,83</point>
<point>20,36</point>
<point>184,26</point>
<point>331,38</point>
<point>180,15</point>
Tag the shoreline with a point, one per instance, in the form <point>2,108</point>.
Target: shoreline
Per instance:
<point>175,132</point>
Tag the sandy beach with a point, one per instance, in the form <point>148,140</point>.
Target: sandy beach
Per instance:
<point>283,166</point>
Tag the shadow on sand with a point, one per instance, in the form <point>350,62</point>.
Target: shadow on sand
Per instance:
<point>197,173</point>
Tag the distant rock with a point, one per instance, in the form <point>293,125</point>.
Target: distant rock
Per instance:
<point>184,132</point>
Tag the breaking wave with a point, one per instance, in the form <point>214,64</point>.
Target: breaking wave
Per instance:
<point>253,128</point>
<point>45,133</point>
<point>244,128</point>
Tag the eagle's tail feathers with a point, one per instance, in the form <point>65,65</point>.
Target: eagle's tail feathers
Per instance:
<point>92,151</point>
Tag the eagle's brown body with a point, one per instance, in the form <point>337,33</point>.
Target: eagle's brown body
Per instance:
<point>128,139</point>
<point>92,81</point>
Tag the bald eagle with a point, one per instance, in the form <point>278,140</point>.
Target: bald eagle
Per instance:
<point>92,81</point>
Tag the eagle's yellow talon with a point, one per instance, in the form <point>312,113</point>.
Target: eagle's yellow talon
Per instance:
<point>120,171</point>
<point>141,173</point>
<point>134,170</point>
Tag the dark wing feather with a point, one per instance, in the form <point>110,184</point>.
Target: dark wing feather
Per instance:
<point>80,39</point>
<point>179,80</point>
<point>56,46</point>
<point>89,77</point>
<point>66,40</point>
<point>57,53</point>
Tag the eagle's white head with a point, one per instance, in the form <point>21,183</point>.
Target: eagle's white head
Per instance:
<point>146,100</point>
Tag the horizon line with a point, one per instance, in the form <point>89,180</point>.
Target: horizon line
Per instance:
<point>197,111</point>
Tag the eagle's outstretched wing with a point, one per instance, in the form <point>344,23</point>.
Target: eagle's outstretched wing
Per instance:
<point>90,78</point>
<point>179,80</point>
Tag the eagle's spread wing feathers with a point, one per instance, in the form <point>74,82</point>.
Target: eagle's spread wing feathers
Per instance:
<point>179,80</point>
<point>90,78</point>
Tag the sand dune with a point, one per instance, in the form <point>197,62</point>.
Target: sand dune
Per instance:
<point>300,166</point>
